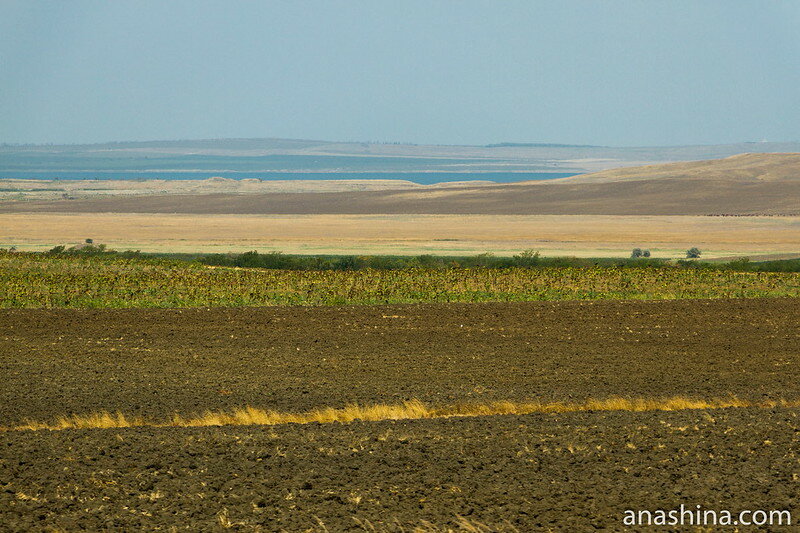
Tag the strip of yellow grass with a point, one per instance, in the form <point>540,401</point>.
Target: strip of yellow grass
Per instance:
<point>504,235</point>
<point>413,409</point>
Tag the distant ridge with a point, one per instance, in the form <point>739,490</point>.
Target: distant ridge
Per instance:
<point>741,167</point>
<point>746,184</point>
<point>251,156</point>
<point>542,145</point>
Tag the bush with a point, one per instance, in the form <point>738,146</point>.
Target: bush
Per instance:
<point>693,253</point>
<point>528,258</point>
<point>483,260</point>
<point>350,262</point>
<point>89,249</point>
<point>741,264</point>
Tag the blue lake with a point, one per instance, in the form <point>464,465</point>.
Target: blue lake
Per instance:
<point>425,178</point>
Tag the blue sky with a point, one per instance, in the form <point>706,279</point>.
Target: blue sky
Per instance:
<point>625,73</point>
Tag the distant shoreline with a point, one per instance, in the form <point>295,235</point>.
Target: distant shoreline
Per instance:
<point>421,177</point>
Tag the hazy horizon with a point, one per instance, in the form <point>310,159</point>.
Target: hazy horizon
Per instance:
<point>618,74</point>
<point>400,143</point>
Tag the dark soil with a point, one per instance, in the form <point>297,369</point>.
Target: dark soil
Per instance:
<point>569,472</point>
<point>576,472</point>
<point>157,362</point>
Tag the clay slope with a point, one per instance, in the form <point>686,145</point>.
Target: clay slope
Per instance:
<point>748,184</point>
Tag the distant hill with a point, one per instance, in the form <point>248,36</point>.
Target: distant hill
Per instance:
<point>542,145</point>
<point>747,184</point>
<point>273,158</point>
<point>742,167</point>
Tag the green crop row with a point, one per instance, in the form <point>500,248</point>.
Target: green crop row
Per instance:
<point>44,280</point>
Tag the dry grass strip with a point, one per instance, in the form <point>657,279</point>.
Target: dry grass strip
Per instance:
<point>410,410</point>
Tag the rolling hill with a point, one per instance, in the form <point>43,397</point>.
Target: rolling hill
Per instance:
<point>746,184</point>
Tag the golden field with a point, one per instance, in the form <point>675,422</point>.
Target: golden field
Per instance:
<point>575,235</point>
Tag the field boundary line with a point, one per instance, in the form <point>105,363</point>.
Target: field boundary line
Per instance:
<point>408,410</point>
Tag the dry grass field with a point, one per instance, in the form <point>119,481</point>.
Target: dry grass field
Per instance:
<point>663,208</point>
<point>745,167</point>
<point>582,236</point>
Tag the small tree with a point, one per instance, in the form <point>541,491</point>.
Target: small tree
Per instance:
<point>645,253</point>
<point>693,253</point>
<point>89,241</point>
<point>249,260</point>
<point>636,253</point>
<point>528,258</point>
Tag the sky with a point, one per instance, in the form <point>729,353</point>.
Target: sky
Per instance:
<point>614,73</point>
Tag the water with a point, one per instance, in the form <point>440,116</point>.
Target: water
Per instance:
<point>115,165</point>
<point>424,178</point>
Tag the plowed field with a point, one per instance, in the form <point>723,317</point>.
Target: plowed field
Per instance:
<point>571,471</point>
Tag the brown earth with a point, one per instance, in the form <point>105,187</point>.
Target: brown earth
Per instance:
<point>577,471</point>
<point>765,184</point>
<point>34,189</point>
<point>157,362</point>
